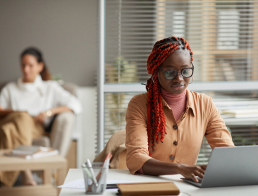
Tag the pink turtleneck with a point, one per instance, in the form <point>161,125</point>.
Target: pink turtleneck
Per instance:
<point>177,102</point>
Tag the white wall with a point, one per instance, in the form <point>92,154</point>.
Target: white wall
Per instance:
<point>88,123</point>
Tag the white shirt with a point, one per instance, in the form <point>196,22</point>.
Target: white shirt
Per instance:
<point>37,97</point>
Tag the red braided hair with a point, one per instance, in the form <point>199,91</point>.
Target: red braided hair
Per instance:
<point>156,118</point>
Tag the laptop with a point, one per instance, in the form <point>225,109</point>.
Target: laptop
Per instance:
<point>230,166</point>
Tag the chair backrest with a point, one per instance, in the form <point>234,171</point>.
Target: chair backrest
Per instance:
<point>70,88</point>
<point>122,160</point>
<point>115,146</point>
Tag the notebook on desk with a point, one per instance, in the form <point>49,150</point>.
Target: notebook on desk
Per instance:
<point>148,188</point>
<point>230,166</point>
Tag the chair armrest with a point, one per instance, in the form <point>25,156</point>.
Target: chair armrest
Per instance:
<point>60,135</point>
<point>42,141</point>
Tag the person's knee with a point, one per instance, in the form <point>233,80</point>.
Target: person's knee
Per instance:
<point>63,124</point>
<point>66,119</point>
<point>22,116</point>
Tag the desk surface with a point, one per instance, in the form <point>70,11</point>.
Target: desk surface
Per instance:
<point>122,174</point>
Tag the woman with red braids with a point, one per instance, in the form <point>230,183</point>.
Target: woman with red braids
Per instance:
<point>165,126</point>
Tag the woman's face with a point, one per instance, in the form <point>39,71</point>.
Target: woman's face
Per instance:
<point>30,68</point>
<point>178,60</point>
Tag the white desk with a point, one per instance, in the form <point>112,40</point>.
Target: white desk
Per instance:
<point>122,174</point>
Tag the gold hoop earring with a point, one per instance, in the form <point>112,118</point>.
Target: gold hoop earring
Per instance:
<point>192,80</point>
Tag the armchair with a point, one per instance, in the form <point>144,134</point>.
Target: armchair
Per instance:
<point>60,135</point>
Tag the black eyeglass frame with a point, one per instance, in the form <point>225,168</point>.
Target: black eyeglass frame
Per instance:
<point>177,72</point>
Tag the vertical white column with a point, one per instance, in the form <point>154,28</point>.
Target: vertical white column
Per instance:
<point>101,77</point>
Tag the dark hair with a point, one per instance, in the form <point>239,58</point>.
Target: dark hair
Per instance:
<point>45,74</point>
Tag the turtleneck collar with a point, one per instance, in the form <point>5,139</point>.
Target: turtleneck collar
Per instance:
<point>31,86</point>
<point>172,98</point>
<point>176,102</point>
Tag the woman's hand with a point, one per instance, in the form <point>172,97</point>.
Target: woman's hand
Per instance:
<point>155,167</point>
<point>191,171</point>
<point>41,117</point>
<point>1,109</point>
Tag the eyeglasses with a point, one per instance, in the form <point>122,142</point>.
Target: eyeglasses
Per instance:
<point>171,74</point>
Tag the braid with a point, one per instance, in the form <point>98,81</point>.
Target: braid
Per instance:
<point>156,118</point>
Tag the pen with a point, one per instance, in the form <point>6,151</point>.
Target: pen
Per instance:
<point>92,172</point>
<point>87,171</point>
<point>106,166</point>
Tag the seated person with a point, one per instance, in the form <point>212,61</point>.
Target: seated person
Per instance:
<point>41,98</point>
<point>165,126</point>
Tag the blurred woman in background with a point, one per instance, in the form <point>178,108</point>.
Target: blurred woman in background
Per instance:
<point>34,100</point>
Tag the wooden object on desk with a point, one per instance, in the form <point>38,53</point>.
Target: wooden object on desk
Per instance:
<point>148,188</point>
<point>43,163</point>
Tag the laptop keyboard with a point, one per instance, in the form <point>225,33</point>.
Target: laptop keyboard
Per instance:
<point>199,183</point>
<point>199,179</point>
